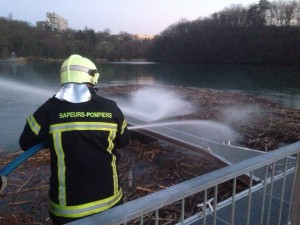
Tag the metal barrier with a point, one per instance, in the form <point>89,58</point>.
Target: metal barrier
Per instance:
<point>267,201</point>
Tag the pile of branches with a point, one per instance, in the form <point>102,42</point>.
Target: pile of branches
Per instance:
<point>25,200</point>
<point>267,125</point>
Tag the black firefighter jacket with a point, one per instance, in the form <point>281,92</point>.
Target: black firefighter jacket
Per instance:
<point>82,138</point>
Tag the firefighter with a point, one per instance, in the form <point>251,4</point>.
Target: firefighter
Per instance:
<point>83,132</point>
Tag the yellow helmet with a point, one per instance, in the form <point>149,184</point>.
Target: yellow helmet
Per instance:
<point>78,69</point>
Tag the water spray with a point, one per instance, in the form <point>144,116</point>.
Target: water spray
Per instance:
<point>137,127</point>
<point>153,103</point>
<point>170,123</point>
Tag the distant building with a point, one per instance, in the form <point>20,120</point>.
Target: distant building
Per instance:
<point>54,21</point>
<point>57,22</point>
<point>144,36</point>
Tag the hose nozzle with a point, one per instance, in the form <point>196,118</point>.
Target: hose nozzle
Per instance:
<point>3,183</point>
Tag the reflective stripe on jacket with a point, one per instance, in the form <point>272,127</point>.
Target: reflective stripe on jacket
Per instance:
<point>85,209</point>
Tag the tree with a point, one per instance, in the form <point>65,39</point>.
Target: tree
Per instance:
<point>285,13</point>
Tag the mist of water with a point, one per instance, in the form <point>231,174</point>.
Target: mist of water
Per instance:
<point>18,100</point>
<point>240,114</point>
<point>24,90</point>
<point>154,103</point>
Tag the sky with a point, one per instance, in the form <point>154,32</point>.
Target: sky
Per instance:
<point>131,16</point>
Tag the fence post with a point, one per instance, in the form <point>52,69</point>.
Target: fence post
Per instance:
<point>296,199</point>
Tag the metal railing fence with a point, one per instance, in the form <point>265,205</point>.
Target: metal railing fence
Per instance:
<point>267,200</point>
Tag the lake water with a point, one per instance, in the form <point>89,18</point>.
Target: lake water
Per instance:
<point>25,87</point>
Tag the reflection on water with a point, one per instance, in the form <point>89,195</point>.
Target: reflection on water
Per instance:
<point>24,87</point>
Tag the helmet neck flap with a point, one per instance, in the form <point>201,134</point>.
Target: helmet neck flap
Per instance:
<point>74,93</point>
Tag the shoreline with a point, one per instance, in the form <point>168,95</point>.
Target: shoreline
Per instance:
<point>17,60</point>
<point>105,60</point>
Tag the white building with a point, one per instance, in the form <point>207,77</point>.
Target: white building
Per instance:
<point>56,22</point>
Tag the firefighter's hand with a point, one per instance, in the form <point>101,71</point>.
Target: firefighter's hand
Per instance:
<point>3,183</point>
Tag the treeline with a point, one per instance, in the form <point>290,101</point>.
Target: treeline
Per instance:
<point>266,32</point>
<point>261,33</point>
<point>35,42</point>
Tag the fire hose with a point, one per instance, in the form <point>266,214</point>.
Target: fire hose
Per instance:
<point>10,167</point>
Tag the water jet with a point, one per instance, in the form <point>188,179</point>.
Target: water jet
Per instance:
<point>155,103</point>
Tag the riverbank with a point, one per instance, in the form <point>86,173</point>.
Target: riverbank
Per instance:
<point>97,60</point>
<point>16,60</point>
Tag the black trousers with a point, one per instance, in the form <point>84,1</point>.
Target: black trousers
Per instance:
<point>62,220</point>
<point>56,220</point>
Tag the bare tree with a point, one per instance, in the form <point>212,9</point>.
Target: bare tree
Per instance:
<point>285,13</point>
